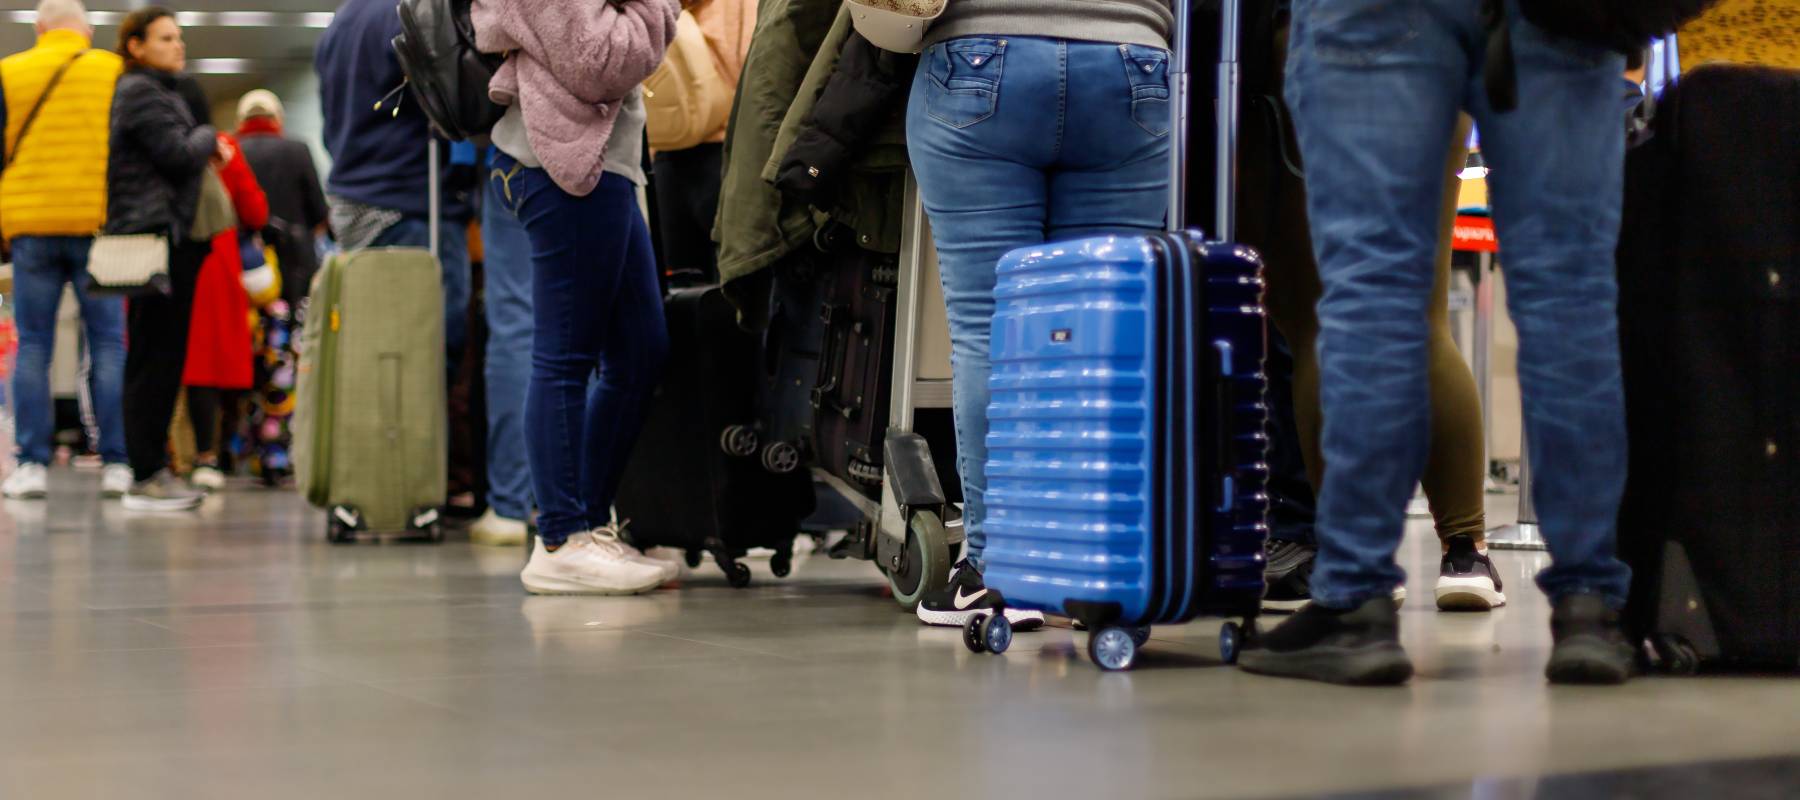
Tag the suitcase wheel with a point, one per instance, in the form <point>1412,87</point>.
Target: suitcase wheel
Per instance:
<point>1230,639</point>
<point>693,559</point>
<point>1113,648</point>
<point>997,633</point>
<point>782,565</point>
<point>925,561</point>
<point>739,441</point>
<point>341,524</point>
<point>972,637</point>
<point>1675,654</point>
<point>738,575</point>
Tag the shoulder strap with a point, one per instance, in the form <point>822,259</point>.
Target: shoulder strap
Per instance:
<point>39,105</point>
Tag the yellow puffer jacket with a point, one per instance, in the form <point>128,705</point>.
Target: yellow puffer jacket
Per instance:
<point>56,185</point>
<point>1762,33</point>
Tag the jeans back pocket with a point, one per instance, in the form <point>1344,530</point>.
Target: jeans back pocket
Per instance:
<point>965,80</point>
<point>1147,72</point>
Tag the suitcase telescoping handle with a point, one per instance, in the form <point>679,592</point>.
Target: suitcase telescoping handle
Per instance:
<point>1225,153</point>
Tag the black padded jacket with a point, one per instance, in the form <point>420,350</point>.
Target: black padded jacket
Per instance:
<point>159,153</point>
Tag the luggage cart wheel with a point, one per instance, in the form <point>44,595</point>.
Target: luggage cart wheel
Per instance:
<point>1113,649</point>
<point>1141,635</point>
<point>738,574</point>
<point>925,561</point>
<point>693,559</point>
<point>780,458</point>
<point>738,440</point>
<point>1231,636</point>
<point>997,633</point>
<point>972,637</point>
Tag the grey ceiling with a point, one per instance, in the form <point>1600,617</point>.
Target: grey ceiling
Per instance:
<point>272,50</point>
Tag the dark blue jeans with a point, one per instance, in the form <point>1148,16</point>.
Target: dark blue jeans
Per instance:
<point>1016,142</point>
<point>453,258</point>
<point>599,313</point>
<point>507,289</point>
<point>42,266</point>
<point>1375,87</point>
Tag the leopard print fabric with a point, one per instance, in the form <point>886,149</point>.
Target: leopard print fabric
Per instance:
<point>924,9</point>
<point>1760,32</point>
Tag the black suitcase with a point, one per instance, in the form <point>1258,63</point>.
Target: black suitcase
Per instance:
<point>1709,321</point>
<point>681,489</point>
<point>850,400</point>
<point>788,355</point>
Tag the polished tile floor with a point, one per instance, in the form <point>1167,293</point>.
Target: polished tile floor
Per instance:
<point>236,655</point>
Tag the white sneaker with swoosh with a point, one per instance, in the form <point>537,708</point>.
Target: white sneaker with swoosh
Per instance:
<point>966,596</point>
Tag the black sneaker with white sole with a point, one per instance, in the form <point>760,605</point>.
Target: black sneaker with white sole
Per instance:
<point>1467,580</point>
<point>966,596</point>
<point>1359,646</point>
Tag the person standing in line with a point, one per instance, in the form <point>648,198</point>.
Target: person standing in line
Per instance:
<point>379,141</point>
<point>1375,89</point>
<point>160,154</point>
<point>289,176</point>
<point>577,67</point>
<point>52,201</point>
<point>506,288</point>
<point>995,79</point>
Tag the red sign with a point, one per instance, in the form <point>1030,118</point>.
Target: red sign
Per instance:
<point>1475,235</point>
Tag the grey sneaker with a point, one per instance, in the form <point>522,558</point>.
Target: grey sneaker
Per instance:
<point>163,492</point>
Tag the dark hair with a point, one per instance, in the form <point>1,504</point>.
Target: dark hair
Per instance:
<point>137,26</point>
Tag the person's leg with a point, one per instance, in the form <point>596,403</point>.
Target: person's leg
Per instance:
<point>453,259</point>
<point>1557,191</point>
<point>633,348</point>
<point>508,362</point>
<point>157,351</point>
<point>578,256</point>
<point>982,128</point>
<point>203,414</point>
<point>1456,466</point>
<point>104,319</point>
<point>38,276</point>
<point>1374,89</point>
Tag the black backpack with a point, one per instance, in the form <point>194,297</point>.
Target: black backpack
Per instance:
<point>447,74</point>
<point>1625,26</point>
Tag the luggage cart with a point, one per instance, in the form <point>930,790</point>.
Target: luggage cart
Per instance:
<point>907,533</point>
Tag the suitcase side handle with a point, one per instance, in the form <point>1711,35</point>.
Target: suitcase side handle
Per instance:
<point>1222,439</point>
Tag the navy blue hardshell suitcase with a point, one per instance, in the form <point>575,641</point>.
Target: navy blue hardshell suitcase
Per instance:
<point>1126,469</point>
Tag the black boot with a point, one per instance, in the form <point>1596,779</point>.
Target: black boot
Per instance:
<point>1360,647</point>
<point>1591,647</point>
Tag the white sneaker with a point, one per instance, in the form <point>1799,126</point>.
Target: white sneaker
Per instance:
<point>28,482</point>
<point>671,569</point>
<point>115,481</point>
<point>208,478</point>
<point>494,530</point>
<point>588,563</point>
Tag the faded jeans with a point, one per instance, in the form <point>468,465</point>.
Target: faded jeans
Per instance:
<point>1017,141</point>
<point>42,266</point>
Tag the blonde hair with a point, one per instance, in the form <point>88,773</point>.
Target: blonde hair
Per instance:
<point>60,13</point>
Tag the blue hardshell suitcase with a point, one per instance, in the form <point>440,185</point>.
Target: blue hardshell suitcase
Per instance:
<point>1126,470</point>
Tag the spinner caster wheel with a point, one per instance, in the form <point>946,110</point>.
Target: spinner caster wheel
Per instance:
<point>1113,649</point>
<point>972,634</point>
<point>692,557</point>
<point>1231,637</point>
<point>738,440</point>
<point>997,633</point>
<point>738,574</point>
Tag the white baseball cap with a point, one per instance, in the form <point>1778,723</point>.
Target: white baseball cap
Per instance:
<point>259,103</point>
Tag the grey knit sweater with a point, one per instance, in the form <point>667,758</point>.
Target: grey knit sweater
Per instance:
<point>1145,22</point>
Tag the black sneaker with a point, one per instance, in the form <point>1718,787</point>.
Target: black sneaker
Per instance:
<point>966,596</point>
<point>1289,576</point>
<point>1359,647</point>
<point>1590,643</point>
<point>1467,581</point>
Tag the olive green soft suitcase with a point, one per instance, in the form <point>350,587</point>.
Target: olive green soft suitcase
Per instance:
<point>369,422</point>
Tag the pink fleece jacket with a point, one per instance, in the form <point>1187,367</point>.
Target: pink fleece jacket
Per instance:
<point>570,64</point>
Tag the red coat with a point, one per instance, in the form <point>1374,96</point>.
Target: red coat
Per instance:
<point>219,331</point>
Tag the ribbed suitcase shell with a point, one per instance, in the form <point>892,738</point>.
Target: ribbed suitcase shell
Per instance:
<point>1126,481</point>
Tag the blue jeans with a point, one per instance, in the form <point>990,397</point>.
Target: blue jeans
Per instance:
<point>599,312</point>
<point>508,362</point>
<point>42,265</point>
<point>453,258</point>
<point>1375,87</point>
<point>1015,142</point>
